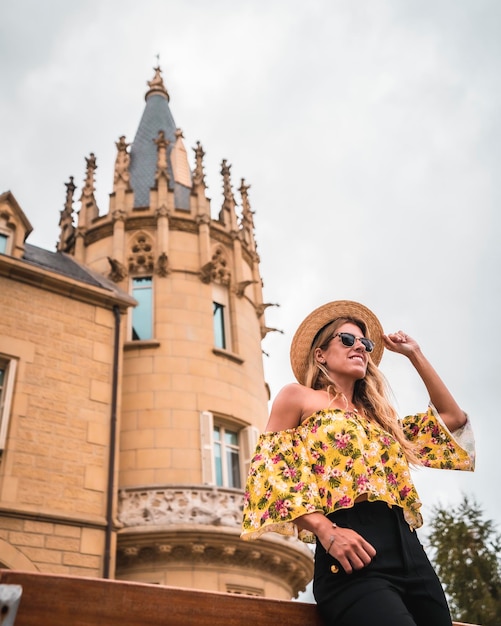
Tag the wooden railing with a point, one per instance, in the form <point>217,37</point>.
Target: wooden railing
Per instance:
<point>51,600</point>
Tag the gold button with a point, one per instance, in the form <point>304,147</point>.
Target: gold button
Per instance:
<point>334,569</point>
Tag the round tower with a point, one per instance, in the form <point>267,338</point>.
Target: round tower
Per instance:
<point>193,394</point>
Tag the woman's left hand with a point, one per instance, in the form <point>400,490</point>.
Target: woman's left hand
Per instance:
<point>400,342</point>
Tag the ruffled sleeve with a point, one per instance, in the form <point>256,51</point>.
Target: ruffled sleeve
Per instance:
<point>281,486</point>
<point>436,445</point>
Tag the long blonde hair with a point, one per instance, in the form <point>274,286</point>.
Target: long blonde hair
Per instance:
<point>371,394</point>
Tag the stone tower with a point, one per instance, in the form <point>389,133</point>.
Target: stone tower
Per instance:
<point>193,394</point>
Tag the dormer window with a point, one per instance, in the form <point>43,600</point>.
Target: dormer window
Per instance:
<point>14,226</point>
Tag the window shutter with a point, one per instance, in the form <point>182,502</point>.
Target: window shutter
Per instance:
<point>248,441</point>
<point>206,445</point>
<point>6,400</point>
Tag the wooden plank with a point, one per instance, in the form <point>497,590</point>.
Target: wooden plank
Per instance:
<point>64,600</point>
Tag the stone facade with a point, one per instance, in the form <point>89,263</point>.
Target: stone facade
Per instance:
<point>112,463</point>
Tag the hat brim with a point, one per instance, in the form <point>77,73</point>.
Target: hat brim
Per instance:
<point>317,319</point>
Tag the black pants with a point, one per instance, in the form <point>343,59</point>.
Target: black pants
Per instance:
<point>398,588</point>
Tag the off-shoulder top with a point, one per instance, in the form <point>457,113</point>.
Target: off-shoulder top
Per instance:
<point>335,456</point>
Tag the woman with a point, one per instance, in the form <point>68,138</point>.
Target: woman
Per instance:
<point>333,466</point>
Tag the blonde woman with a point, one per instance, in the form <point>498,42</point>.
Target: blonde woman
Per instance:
<point>333,468</point>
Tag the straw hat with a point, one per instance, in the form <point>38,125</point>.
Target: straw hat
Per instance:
<point>306,333</point>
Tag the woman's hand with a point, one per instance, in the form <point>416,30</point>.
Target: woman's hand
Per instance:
<point>401,343</point>
<point>349,548</point>
<point>441,398</point>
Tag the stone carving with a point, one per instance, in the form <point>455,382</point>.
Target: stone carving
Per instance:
<point>141,258</point>
<point>266,329</point>
<point>156,84</point>
<point>118,271</point>
<point>162,211</point>
<point>163,265</point>
<point>228,198</point>
<point>202,219</point>
<point>89,209</point>
<point>119,215</point>
<point>261,308</point>
<point>189,508</point>
<point>206,272</point>
<point>216,269</point>
<point>67,234</point>
<point>161,143</point>
<point>198,174</point>
<point>171,505</point>
<point>242,286</point>
<point>247,221</point>
<point>122,162</point>
<point>221,273</point>
<point>89,188</point>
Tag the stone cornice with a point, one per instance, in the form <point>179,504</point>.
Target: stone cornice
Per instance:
<point>285,558</point>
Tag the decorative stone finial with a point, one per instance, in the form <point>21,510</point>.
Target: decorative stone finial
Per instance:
<point>247,221</point>
<point>161,143</point>
<point>156,85</point>
<point>67,229</point>
<point>198,174</point>
<point>228,198</point>
<point>89,188</point>
<point>122,162</point>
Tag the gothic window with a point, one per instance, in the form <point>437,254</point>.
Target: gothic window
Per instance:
<point>219,334</point>
<point>227,448</point>
<point>142,313</point>
<point>221,317</point>
<point>7,374</point>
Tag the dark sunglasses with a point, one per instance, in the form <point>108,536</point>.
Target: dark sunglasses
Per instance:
<point>348,340</point>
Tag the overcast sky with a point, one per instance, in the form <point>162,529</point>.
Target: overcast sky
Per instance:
<point>369,131</point>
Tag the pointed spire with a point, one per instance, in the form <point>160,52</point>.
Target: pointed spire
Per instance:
<point>179,161</point>
<point>228,207</point>
<point>156,86</point>
<point>91,167</point>
<point>67,234</point>
<point>247,212</point>
<point>247,221</point>
<point>89,205</point>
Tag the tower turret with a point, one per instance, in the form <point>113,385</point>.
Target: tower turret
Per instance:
<point>194,396</point>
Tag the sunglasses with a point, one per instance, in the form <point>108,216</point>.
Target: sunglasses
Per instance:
<point>348,340</point>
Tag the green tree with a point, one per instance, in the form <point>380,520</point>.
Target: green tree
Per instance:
<point>464,551</point>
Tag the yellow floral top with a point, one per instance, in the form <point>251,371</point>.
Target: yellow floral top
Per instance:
<point>333,457</point>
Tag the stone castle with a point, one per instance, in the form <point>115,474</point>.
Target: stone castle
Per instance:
<point>132,388</point>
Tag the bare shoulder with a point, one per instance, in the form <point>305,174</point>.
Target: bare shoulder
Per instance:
<point>288,406</point>
<point>292,391</point>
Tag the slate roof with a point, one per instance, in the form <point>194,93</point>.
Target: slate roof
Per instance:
<point>143,153</point>
<point>65,265</point>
